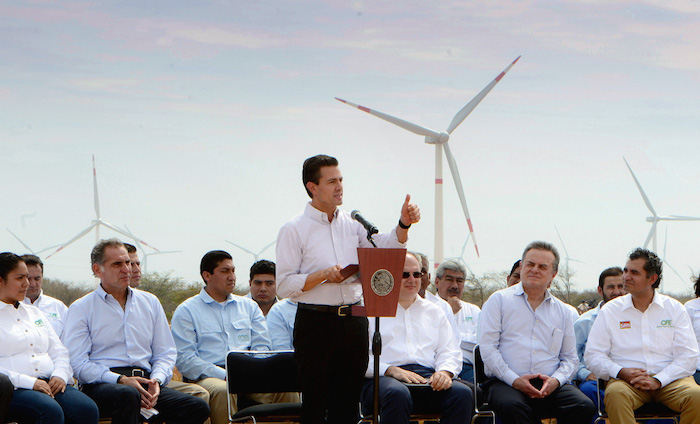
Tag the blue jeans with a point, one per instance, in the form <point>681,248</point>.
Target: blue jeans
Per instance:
<point>71,406</point>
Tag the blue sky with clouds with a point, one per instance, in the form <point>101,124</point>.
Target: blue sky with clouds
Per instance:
<point>201,113</point>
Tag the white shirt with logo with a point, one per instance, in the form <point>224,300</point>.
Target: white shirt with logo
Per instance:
<point>660,339</point>
<point>54,309</point>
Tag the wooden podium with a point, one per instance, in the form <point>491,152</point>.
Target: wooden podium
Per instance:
<point>381,271</point>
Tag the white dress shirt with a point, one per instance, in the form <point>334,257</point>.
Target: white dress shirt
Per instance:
<point>515,340</point>
<point>467,320</point>
<point>30,347</point>
<point>100,335</point>
<point>660,339</point>
<point>693,308</point>
<point>447,310</point>
<point>280,323</point>
<point>309,243</point>
<point>54,309</point>
<point>419,335</point>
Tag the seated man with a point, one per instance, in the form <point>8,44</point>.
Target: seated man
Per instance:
<point>263,287</point>
<point>121,348</point>
<point>514,276</point>
<point>54,309</point>
<point>644,344</point>
<point>610,286</point>
<point>418,347</point>
<point>280,324</point>
<point>207,326</point>
<point>527,342</point>
<point>449,280</point>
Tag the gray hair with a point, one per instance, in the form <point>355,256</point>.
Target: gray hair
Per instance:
<point>543,245</point>
<point>453,265</point>
<point>97,256</point>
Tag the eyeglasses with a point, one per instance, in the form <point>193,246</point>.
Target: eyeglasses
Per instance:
<point>416,274</point>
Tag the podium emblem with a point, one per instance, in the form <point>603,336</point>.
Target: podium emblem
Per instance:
<point>382,282</point>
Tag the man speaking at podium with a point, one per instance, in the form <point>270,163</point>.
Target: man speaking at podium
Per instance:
<point>312,248</point>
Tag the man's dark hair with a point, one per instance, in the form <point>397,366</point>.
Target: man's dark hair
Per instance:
<point>8,262</point>
<point>33,260</point>
<point>652,263</point>
<point>262,267</point>
<point>610,272</point>
<point>697,286</point>
<point>515,266</point>
<point>543,245</point>
<point>311,172</point>
<point>211,260</point>
<point>130,248</point>
<point>97,256</point>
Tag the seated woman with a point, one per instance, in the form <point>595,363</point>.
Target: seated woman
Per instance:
<point>34,358</point>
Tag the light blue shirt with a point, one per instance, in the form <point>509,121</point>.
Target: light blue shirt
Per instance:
<point>205,330</point>
<point>515,340</point>
<point>100,335</point>
<point>582,328</point>
<point>280,322</point>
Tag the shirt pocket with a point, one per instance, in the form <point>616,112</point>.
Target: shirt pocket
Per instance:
<point>556,340</point>
<point>239,334</point>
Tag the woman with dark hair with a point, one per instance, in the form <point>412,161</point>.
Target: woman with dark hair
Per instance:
<point>693,308</point>
<point>33,357</point>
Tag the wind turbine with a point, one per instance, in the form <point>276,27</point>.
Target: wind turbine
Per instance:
<point>99,221</point>
<point>655,218</point>
<point>461,256</point>
<point>29,248</point>
<point>440,140</point>
<point>566,253</point>
<point>256,255</point>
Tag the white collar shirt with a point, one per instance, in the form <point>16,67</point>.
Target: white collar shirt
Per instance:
<point>100,335</point>
<point>30,347</point>
<point>447,309</point>
<point>515,340</point>
<point>310,243</point>
<point>54,309</point>
<point>660,339</point>
<point>419,335</point>
<point>467,319</point>
<point>582,328</point>
<point>280,322</point>
<point>693,308</point>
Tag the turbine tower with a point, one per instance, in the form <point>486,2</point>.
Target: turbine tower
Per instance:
<point>99,221</point>
<point>440,140</point>
<point>655,218</point>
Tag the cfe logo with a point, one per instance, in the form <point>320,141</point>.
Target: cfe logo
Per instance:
<point>468,319</point>
<point>666,323</point>
<point>39,322</point>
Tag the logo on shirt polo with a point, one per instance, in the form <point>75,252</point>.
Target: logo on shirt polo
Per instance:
<point>666,323</point>
<point>468,319</point>
<point>53,315</point>
<point>39,322</point>
<point>625,325</point>
<point>244,337</point>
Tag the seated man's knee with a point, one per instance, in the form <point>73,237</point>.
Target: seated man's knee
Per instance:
<point>392,390</point>
<point>127,395</point>
<point>616,389</point>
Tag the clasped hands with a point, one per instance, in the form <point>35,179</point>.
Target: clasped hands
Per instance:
<point>639,378</point>
<point>523,383</point>
<point>149,393</point>
<point>440,380</point>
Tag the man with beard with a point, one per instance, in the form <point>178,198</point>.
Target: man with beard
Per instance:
<point>610,286</point>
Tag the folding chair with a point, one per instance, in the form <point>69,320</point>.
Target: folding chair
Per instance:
<point>481,407</point>
<point>648,411</point>
<point>270,374</point>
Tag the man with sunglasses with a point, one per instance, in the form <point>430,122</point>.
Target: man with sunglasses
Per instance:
<point>419,359</point>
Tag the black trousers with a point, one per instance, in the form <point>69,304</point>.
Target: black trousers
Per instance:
<point>332,354</point>
<point>567,404</point>
<point>122,403</point>
<point>6,391</point>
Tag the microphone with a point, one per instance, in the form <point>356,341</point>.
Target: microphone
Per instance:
<point>371,229</point>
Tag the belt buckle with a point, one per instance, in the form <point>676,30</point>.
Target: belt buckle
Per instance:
<point>137,373</point>
<point>344,314</point>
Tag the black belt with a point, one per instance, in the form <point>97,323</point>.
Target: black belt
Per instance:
<point>339,310</point>
<point>131,371</point>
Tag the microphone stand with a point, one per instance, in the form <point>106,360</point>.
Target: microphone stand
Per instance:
<point>376,353</point>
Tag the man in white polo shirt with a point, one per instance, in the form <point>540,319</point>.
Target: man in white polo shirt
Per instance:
<point>54,309</point>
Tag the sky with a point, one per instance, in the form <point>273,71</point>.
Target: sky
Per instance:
<point>200,115</point>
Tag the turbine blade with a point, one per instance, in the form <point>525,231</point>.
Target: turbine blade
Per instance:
<point>473,103</point>
<point>241,247</point>
<point>415,129</point>
<point>23,243</point>
<point>641,191</point>
<point>267,247</point>
<point>80,234</point>
<point>674,271</point>
<point>665,240</point>
<point>680,218</point>
<point>562,242</point>
<point>460,191</point>
<point>126,234</point>
<point>94,186</point>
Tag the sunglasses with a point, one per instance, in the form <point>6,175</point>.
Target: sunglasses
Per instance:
<point>416,274</point>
